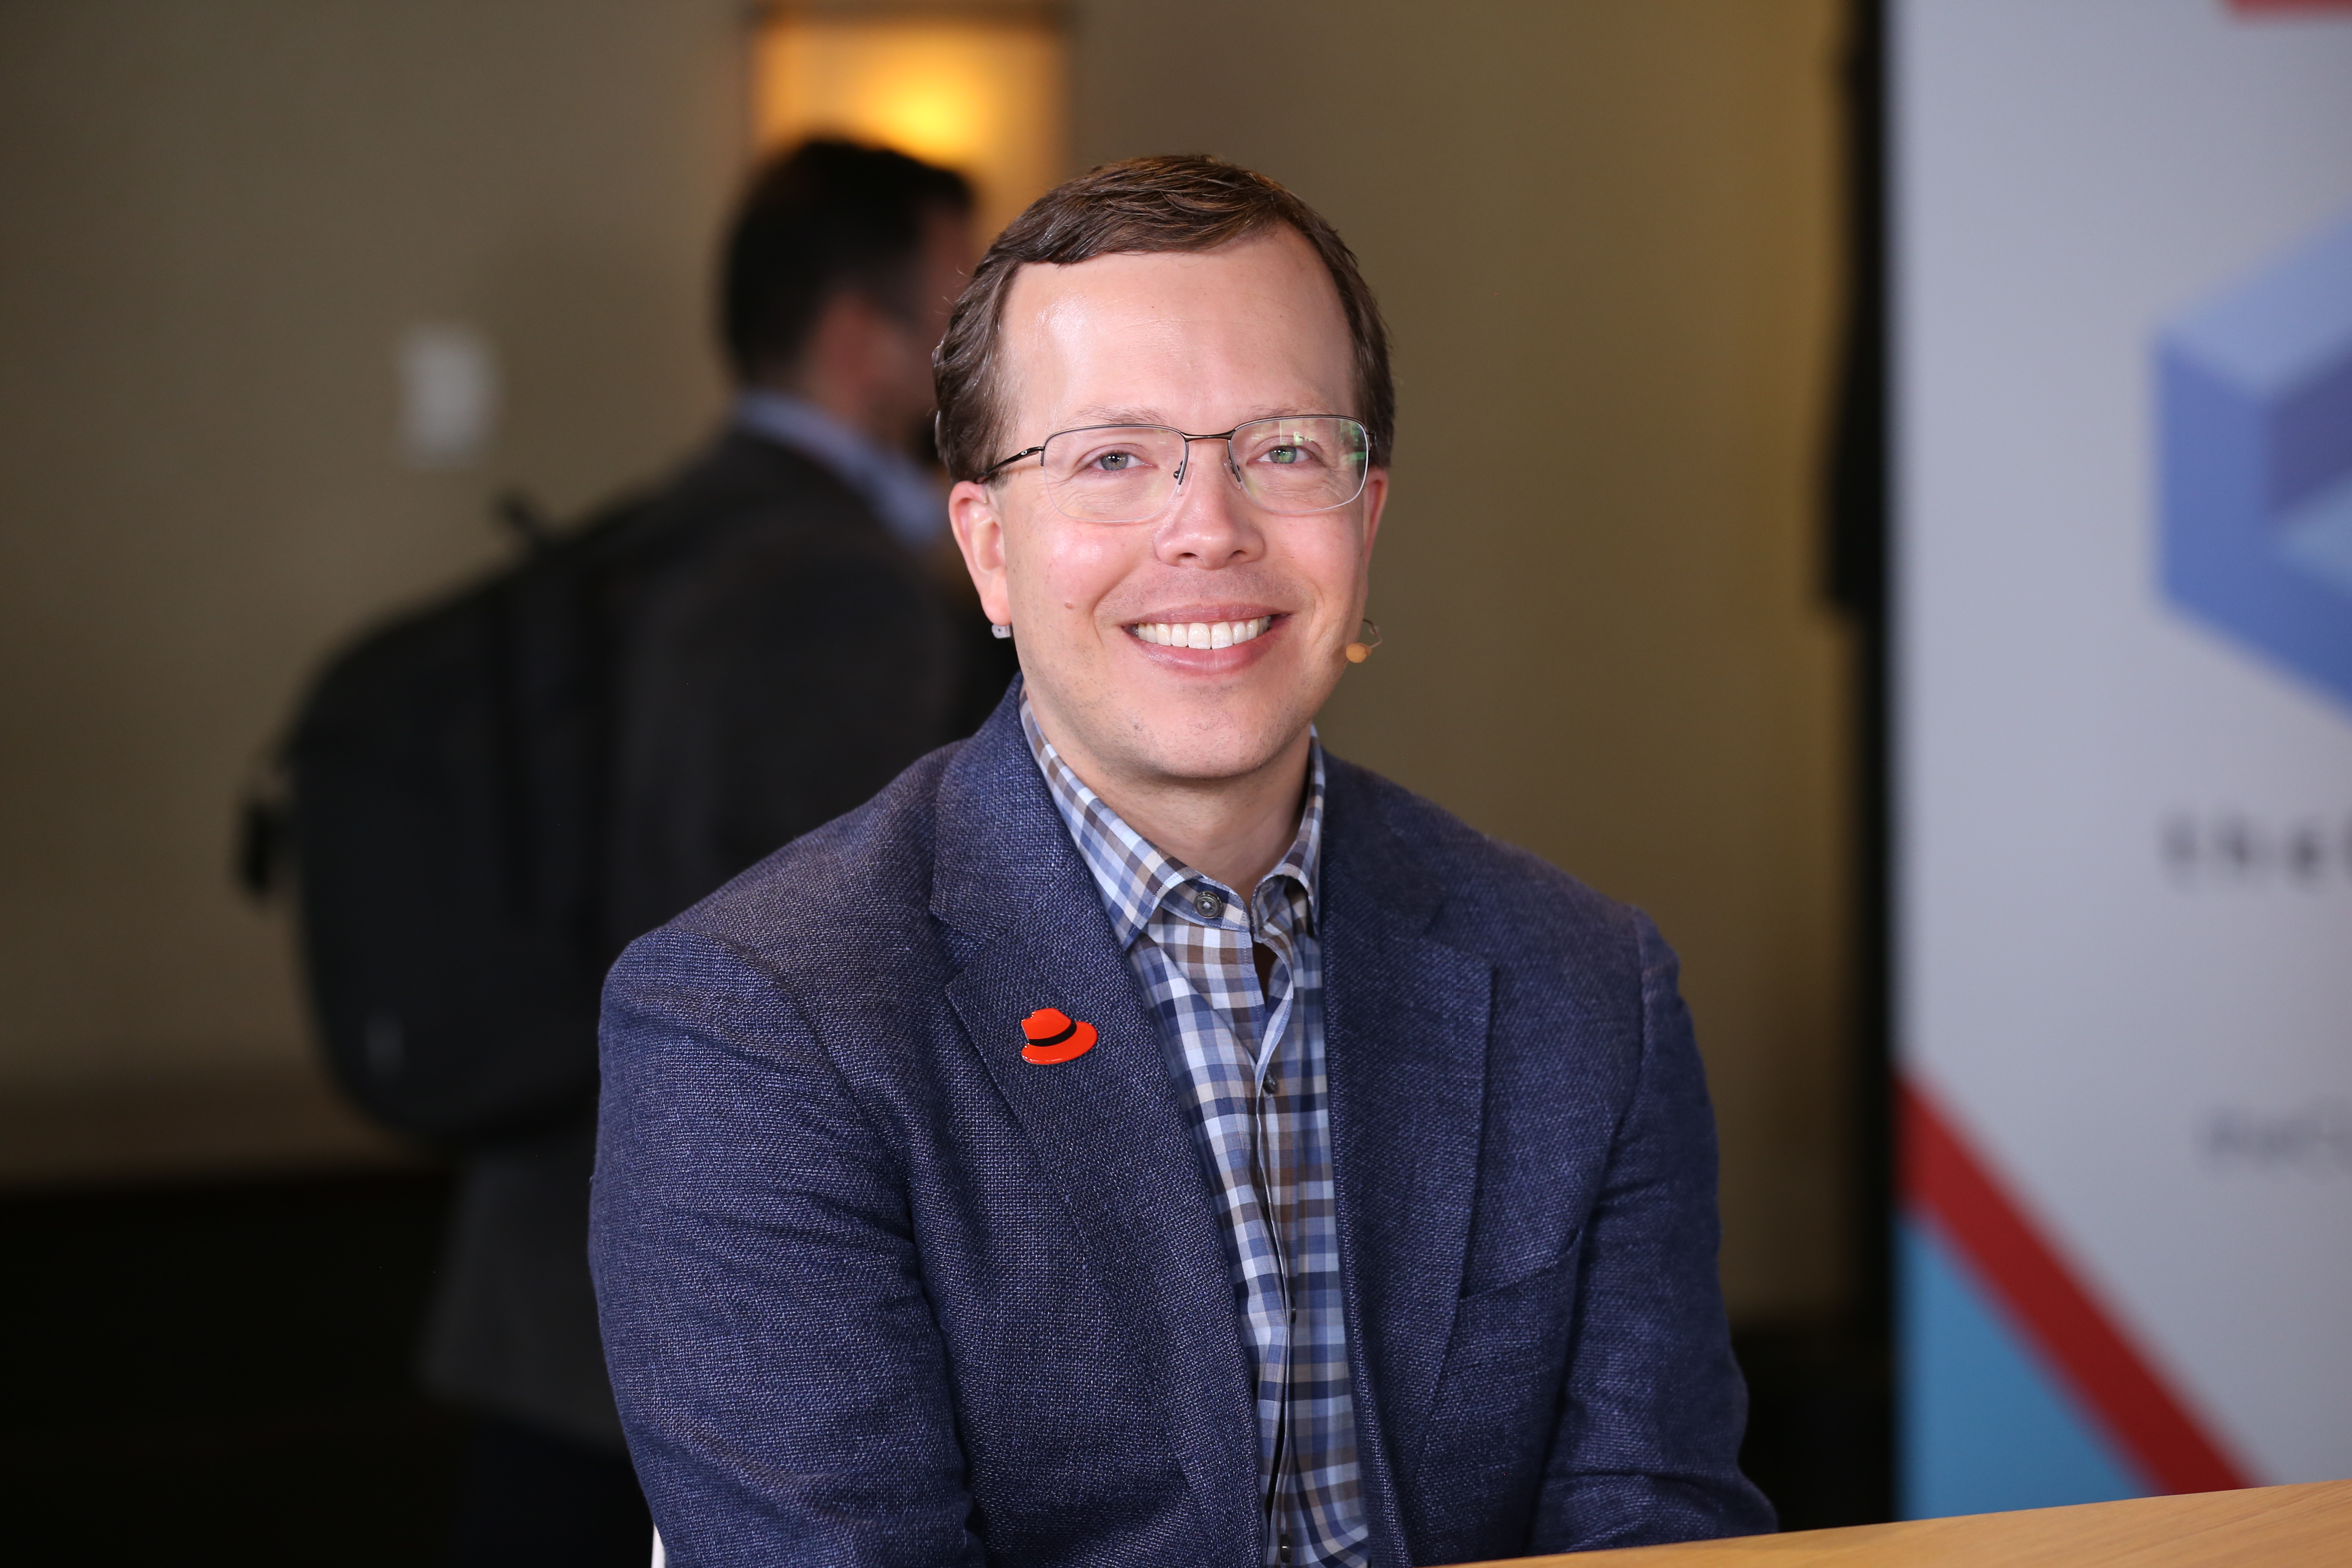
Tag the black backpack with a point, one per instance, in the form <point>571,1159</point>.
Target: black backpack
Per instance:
<point>441,792</point>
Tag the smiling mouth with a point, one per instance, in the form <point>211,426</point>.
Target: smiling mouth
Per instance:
<point>1200,633</point>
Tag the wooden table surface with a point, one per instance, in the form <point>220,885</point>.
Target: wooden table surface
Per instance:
<point>2275,1527</point>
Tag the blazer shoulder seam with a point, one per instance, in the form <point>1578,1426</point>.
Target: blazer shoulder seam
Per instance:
<point>753,960</point>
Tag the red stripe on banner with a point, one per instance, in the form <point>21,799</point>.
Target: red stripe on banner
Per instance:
<point>2258,7</point>
<point>1943,1176</point>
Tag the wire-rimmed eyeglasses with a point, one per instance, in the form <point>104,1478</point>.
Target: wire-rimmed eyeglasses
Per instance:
<point>1290,465</point>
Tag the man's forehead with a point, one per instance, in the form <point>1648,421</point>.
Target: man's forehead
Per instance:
<point>1265,304</point>
<point>1274,267</point>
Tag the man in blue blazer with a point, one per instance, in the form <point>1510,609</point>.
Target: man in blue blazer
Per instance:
<point>1136,1137</point>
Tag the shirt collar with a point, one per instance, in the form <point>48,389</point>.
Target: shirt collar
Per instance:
<point>901,493</point>
<point>1134,877</point>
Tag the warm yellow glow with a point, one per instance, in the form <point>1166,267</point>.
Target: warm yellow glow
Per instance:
<point>981,94</point>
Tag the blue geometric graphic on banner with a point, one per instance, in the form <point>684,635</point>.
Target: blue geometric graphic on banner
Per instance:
<point>2255,416</point>
<point>1985,1428</point>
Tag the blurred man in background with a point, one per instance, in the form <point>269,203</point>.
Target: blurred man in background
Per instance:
<point>782,642</point>
<point>795,655</point>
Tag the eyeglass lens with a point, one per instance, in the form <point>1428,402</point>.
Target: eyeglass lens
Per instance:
<point>1127,473</point>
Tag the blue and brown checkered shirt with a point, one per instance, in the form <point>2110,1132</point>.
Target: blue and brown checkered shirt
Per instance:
<point>1247,1061</point>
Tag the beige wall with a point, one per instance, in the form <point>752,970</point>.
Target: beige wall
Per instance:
<point>215,217</point>
<point>1601,229</point>
<point>1602,234</point>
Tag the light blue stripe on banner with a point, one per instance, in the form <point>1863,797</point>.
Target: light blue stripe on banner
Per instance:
<point>1985,1427</point>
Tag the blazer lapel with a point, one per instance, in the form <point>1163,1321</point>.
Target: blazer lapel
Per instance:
<point>1405,1031</point>
<point>1106,1126</point>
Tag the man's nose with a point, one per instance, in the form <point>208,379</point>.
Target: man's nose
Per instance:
<point>1210,522</point>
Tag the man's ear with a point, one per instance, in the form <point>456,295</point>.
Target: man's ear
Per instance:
<point>1376,501</point>
<point>980,534</point>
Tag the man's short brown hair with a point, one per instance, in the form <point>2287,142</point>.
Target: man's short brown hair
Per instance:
<point>1188,201</point>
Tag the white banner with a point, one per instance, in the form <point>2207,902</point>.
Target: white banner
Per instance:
<point>2121,295</point>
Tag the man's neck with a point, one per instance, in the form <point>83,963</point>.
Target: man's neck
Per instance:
<point>1235,830</point>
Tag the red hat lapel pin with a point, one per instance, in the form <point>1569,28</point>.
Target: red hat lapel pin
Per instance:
<point>1053,1037</point>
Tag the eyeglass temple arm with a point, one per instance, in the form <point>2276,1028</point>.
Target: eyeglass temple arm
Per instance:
<point>990,472</point>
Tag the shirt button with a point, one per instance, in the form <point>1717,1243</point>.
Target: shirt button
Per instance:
<point>1208,904</point>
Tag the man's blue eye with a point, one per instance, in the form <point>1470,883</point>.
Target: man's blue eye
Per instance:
<point>1114,462</point>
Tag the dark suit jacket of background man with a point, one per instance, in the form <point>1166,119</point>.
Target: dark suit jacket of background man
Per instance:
<point>876,1290</point>
<point>777,658</point>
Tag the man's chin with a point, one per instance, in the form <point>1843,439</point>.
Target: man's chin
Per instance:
<point>1210,745</point>
<point>1142,731</point>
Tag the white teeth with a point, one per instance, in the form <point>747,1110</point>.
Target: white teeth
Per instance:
<point>1201,634</point>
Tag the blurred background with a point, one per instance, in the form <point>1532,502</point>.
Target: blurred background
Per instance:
<point>291,293</point>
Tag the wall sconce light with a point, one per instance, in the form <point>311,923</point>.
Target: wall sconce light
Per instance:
<point>980,86</point>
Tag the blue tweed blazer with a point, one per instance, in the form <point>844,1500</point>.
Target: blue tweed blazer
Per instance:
<point>876,1290</point>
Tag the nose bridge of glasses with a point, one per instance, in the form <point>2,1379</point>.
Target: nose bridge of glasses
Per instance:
<point>1208,521</point>
<point>1184,463</point>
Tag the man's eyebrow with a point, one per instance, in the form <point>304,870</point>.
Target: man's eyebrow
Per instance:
<point>1100,415</point>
